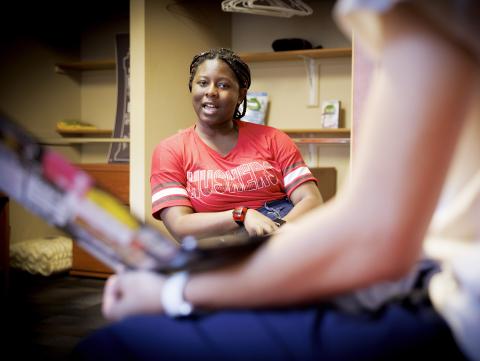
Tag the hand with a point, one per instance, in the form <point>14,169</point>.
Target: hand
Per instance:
<point>258,224</point>
<point>287,227</point>
<point>132,293</point>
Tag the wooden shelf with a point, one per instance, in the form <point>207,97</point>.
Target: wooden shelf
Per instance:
<point>321,140</point>
<point>83,136</point>
<point>323,131</point>
<point>85,132</point>
<point>309,57</point>
<point>319,136</point>
<point>81,140</point>
<point>248,57</point>
<point>297,54</point>
<point>85,65</point>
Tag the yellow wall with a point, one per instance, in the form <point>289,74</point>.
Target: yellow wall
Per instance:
<point>164,37</point>
<point>36,97</point>
<point>173,35</point>
<point>200,25</point>
<point>286,82</point>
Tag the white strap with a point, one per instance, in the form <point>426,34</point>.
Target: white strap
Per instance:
<point>173,301</point>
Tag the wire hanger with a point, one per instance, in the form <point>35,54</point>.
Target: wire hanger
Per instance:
<point>280,8</point>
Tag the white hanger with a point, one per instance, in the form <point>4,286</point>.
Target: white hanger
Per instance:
<point>281,8</point>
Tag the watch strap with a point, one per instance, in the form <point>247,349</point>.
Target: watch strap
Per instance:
<point>239,214</point>
<point>173,301</point>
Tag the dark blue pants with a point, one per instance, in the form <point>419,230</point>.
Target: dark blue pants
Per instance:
<point>276,209</point>
<point>398,332</point>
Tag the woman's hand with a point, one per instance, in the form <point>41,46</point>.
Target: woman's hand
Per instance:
<point>132,293</point>
<point>258,224</point>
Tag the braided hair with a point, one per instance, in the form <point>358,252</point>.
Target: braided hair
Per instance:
<point>238,66</point>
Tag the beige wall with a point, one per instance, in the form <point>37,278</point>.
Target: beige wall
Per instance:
<point>255,33</point>
<point>164,37</point>
<point>173,34</point>
<point>200,25</point>
<point>33,94</point>
<point>36,97</point>
<point>287,84</point>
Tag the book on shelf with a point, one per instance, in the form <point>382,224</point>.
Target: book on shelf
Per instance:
<point>331,114</point>
<point>257,105</point>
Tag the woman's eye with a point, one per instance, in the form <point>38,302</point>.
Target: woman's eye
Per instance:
<point>202,83</point>
<point>223,85</point>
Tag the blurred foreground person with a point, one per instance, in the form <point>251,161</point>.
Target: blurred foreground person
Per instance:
<point>350,280</point>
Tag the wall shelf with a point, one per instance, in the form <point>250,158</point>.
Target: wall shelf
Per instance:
<point>81,140</point>
<point>309,57</point>
<point>323,131</point>
<point>319,136</point>
<point>85,65</point>
<point>85,132</point>
<point>316,136</point>
<point>296,54</point>
<point>321,140</point>
<point>248,57</point>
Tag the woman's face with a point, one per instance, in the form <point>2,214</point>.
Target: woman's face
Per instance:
<point>215,92</point>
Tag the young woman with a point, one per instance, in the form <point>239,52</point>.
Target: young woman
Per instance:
<point>421,120</point>
<point>223,173</point>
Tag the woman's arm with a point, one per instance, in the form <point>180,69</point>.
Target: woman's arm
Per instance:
<point>183,221</point>
<point>305,197</point>
<point>374,229</point>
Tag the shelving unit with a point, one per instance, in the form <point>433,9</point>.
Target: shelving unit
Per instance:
<point>322,140</point>
<point>248,57</point>
<point>83,136</point>
<point>319,136</point>
<point>297,54</point>
<point>323,131</point>
<point>84,132</point>
<point>309,56</point>
<point>81,140</point>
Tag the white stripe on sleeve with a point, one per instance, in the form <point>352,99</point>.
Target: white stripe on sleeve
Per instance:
<point>295,174</point>
<point>174,191</point>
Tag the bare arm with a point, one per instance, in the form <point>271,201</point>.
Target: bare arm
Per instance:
<point>374,230</point>
<point>305,197</point>
<point>182,221</point>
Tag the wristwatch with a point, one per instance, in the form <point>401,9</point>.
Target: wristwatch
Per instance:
<point>239,214</point>
<point>173,301</point>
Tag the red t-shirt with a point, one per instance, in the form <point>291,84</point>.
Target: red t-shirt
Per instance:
<point>265,165</point>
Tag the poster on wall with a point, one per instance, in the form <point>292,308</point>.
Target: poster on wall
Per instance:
<point>119,152</point>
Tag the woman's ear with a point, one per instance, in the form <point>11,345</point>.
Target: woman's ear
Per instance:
<point>242,95</point>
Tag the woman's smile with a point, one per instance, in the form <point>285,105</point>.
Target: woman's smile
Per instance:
<point>210,108</point>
